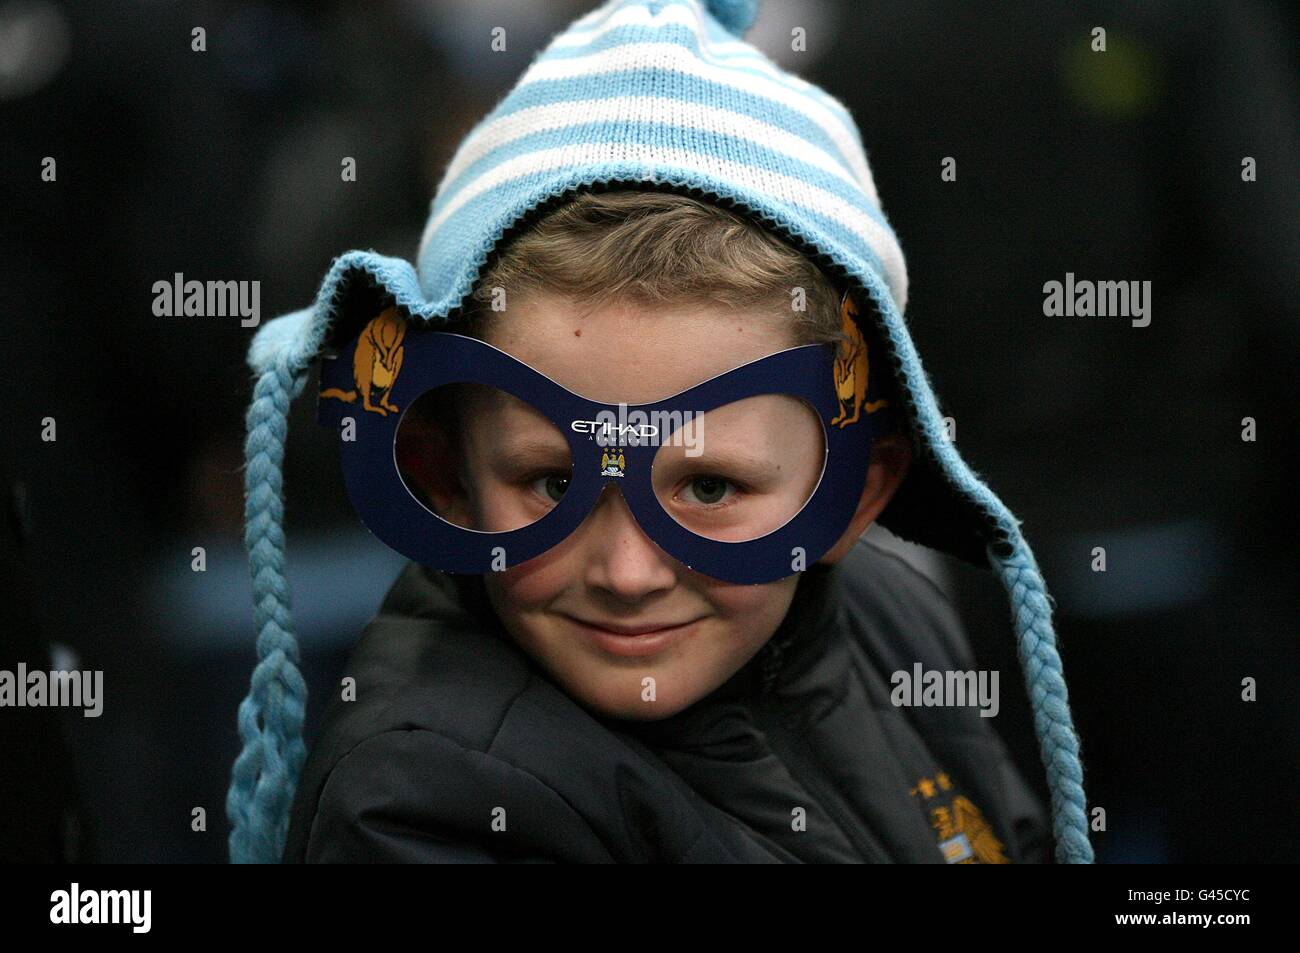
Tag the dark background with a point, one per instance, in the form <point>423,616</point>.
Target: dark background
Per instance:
<point>225,165</point>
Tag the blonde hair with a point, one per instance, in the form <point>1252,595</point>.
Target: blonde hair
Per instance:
<point>658,249</point>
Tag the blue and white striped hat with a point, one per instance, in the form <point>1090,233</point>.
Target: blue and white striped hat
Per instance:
<point>650,94</point>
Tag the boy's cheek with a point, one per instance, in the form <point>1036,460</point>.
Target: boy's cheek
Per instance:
<point>527,587</point>
<point>532,586</point>
<point>761,606</point>
<point>743,620</point>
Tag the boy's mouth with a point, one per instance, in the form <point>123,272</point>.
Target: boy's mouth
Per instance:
<point>633,640</point>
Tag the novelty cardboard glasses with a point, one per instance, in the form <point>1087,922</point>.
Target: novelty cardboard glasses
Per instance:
<point>467,460</point>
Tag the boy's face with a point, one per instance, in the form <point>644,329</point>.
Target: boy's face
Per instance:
<point>561,606</point>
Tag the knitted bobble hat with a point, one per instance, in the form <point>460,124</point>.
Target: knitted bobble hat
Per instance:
<point>657,94</point>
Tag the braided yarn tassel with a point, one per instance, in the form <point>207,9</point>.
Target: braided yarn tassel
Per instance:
<point>271,716</point>
<point>1058,744</point>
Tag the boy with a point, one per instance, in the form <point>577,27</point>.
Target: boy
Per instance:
<point>684,654</point>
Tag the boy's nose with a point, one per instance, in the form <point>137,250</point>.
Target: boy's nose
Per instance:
<point>620,557</point>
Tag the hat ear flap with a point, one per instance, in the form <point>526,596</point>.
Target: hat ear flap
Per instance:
<point>266,771</point>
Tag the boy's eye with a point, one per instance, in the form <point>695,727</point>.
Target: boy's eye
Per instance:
<point>709,490</point>
<point>551,486</point>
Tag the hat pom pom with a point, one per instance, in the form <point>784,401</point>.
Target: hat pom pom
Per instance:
<point>736,16</point>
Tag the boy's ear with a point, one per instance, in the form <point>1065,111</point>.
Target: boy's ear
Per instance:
<point>431,463</point>
<point>448,499</point>
<point>891,456</point>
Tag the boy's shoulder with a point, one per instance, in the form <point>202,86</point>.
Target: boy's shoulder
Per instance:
<point>426,661</point>
<point>900,608</point>
<point>449,715</point>
<point>900,617</point>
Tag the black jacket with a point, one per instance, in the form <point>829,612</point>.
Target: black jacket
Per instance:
<point>799,757</point>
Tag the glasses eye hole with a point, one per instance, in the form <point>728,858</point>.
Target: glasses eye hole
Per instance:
<point>741,470</point>
<point>481,458</point>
